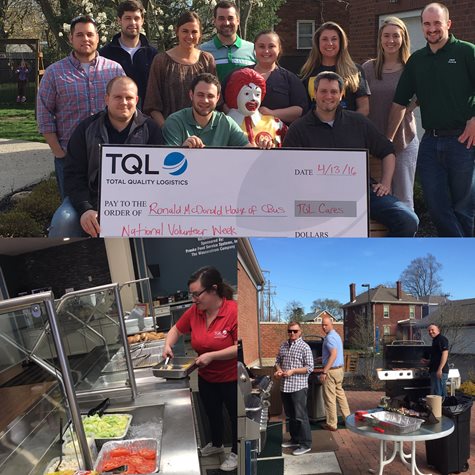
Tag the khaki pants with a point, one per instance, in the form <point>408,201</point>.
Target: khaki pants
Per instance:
<point>333,393</point>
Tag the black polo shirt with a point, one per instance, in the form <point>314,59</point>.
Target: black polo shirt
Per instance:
<point>350,130</point>
<point>439,344</point>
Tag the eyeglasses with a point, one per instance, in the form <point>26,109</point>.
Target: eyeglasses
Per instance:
<point>82,19</point>
<point>293,331</point>
<point>195,295</point>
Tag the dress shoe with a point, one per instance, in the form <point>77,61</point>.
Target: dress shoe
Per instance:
<point>327,427</point>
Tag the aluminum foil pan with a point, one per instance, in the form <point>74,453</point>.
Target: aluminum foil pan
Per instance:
<point>179,367</point>
<point>120,436</point>
<point>392,422</point>
<point>134,445</point>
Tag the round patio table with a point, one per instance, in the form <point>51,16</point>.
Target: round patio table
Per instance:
<point>443,428</point>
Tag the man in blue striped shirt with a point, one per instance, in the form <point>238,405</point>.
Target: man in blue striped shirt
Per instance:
<point>293,365</point>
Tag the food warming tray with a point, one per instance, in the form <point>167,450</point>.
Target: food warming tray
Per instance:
<point>134,445</point>
<point>145,360</point>
<point>393,422</point>
<point>178,367</point>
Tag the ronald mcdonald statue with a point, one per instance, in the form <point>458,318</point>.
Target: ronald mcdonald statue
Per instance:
<point>244,92</point>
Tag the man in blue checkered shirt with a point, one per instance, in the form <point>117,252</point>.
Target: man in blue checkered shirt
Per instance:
<point>293,365</point>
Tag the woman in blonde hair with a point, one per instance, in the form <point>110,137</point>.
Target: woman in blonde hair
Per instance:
<point>330,53</point>
<point>383,74</point>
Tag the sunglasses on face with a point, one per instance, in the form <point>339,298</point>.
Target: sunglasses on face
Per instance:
<point>293,331</point>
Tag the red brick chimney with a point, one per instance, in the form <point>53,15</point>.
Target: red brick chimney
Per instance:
<point>398,290</point>
<point>352,292</point>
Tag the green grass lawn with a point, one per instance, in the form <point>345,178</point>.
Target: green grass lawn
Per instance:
<point>18,122</point>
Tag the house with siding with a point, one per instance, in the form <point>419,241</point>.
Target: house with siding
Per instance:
<point>456,320</point>
<point>317,316</point>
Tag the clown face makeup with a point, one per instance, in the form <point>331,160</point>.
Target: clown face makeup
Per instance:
<point>249,99</point>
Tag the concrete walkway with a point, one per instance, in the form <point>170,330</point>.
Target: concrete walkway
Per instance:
<point>23,164</point>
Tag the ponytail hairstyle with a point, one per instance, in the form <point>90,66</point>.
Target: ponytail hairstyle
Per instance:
<point>210,278</point>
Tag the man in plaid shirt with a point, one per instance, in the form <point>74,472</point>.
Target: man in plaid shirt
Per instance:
<point>73,89</point>
<point>293,365</point>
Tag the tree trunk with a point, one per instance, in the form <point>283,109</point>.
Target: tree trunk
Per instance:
<point>245,8</point>
<point>3,12</point>
<point>55,25</point>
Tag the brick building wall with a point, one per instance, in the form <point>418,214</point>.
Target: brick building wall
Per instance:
<point>363,25</point>
<point>273,334</point>
<point>360,21</point>
<point>397,312</point>
<point>247,315</point>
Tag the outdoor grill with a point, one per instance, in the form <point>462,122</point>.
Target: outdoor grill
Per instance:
<point>253,416</point>
<point>406,374</point>
<point>315,403</point>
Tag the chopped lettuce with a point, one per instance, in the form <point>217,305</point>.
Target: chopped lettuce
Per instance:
<point>106,426</point>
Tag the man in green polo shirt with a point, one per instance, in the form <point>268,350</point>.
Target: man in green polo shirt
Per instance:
<point>201,125</point>
<point>442,76</point>
<point>229,50</point>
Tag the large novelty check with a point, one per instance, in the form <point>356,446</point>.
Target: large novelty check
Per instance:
<point>165,192</point>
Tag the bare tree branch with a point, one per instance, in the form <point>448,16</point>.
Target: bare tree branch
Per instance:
<point>421,277</point>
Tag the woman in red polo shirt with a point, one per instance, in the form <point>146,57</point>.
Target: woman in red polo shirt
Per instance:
<point>212,322</point>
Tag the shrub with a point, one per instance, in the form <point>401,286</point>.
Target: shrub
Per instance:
<point>42,202</point>
<point>468,388</point>
<point>32,215</point>
<point>19,224</point>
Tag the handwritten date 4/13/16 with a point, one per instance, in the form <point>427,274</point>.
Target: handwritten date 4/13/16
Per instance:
<point>330,169</point>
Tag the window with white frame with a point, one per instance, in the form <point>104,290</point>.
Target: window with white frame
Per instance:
<point>386,311</point>
<point>412,311</point>
<point>305,31</point>
<point>386,330</point>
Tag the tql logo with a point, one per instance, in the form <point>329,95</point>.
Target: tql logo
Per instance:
<point>132,164</point>
<point>175,163</point>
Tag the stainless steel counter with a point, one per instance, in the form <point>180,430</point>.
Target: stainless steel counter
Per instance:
<point>168,400</point>
<point>179,452</point>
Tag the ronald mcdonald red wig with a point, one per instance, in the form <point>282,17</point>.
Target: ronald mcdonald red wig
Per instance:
<point>240,78</point>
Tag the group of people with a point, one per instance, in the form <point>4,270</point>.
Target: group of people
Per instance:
<point>213,323</point>
<point>294,363</point>
<point>190,93</point>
